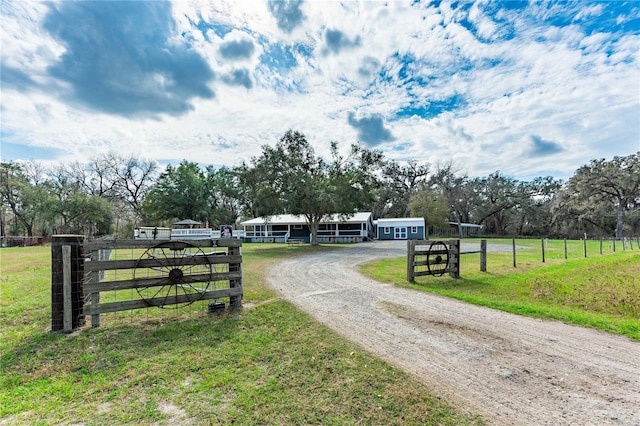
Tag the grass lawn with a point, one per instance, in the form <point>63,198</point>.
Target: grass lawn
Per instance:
<point>599,291</point>
<point>268,364</point>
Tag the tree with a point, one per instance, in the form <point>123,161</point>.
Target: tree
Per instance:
<point>26,201</point>
<point>399,184</point>
<point>355,177</point>
<point>86,214</point>
<point>51,202</point>
<point>132,179</point>
<point>221,187</point>
<point>73,209</point>
<point>253,190</point>
<point>532,216</point>
<point>93,178</point>
<point>34,171</point>
<point>115,178</point>
<point>457,193</point>
<point>496,198</point>
<point>179,193</point>
<point>602,188</point>
<point>430,204</point>
<point>573,216</point>
<point>290,178</point>
<point>12,181</point>
<point>505,205</point>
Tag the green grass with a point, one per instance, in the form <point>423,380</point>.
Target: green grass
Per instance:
<point>268,364</point>
<point>600,291</point>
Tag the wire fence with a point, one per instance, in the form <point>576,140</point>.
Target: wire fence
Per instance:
<point>133,316</point>
<point>565,249</point>
<point>115,281</point>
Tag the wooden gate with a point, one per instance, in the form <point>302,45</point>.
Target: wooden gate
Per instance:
<point>166,274</point>
<point>420,259</point>
<point>423,258</point>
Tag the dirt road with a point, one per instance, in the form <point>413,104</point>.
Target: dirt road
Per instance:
<point>511,369</point>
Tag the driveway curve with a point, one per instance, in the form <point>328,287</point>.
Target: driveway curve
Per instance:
<point>511,369</point>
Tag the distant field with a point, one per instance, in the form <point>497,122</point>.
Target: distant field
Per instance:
<point>600,291</point>
<point>269,364</point>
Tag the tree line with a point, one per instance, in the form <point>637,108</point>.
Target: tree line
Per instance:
<point>112,194</point>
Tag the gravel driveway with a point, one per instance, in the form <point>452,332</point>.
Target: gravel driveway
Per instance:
<point>511,369</point>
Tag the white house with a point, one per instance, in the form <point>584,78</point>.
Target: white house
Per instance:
<point>333,229</point>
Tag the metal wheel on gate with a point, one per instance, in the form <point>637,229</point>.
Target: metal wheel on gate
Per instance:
<point>437,258</point>
<point>173,274</point>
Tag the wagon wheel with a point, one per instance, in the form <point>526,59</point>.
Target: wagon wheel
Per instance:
<point>173,274</point>
<point>437,258</point>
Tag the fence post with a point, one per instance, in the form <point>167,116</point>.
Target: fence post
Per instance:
<point>235,302</point>
<point>542,250</point>
<point>513,241</point>
<point>483,255</point>
<point>67,310</point>
<point>565,249</point>
<point>584,243</point>
<point>93,297</point>
<point>74,277</point>
<point>614,244</point>
<point>600,246</point>
<point>411,249</point>
<point>454,258</point>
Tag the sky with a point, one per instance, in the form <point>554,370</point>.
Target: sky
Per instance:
<point>525,88</point>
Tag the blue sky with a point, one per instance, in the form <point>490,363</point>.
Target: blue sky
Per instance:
<point>527,88</point>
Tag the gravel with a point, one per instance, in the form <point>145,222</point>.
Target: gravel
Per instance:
<point>513,370</point>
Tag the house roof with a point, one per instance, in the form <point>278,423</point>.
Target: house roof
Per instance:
<point>401,221</point>
<point>187,222</point>
<point>466,225</point>
<point>290,219</point>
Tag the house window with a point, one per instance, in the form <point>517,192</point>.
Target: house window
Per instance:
<point>387,230</point>
<point>297,226</point>
<point>414,229</point>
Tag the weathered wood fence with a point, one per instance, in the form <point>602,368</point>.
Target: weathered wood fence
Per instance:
<point>168,274</point>
<point>420,258</point>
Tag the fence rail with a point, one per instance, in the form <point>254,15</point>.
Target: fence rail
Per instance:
<point>156,273</point>
<point>421,256</point>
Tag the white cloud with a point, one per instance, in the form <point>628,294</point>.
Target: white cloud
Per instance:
<point>589,11</point>
<point>25,44</point>
<point>516,77</point>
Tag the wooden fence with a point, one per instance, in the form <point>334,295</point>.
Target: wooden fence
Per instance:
<point>418,262</point>
<point>168,274</point>
<point>421,257</point>
<point>21,241</point>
